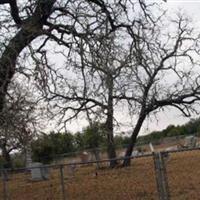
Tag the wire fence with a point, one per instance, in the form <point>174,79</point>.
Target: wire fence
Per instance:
<point>159,175</point>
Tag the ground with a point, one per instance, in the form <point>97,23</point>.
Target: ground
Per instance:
<point>135,182</point>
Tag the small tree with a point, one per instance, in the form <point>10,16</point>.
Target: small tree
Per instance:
<point>95,137</point>
<point>47,147</point>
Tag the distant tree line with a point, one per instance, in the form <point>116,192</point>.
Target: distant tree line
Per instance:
<point>48,147</point>
<point>190,128</point>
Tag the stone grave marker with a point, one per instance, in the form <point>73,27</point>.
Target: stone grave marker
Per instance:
<point>84,157</point>
<point>71,169</point>
<point>39,172</point>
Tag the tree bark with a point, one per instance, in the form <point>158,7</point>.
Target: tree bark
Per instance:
<point>129,150</point>
<point>9,57</point>
<point>109,124</point>
<point>6,157</point>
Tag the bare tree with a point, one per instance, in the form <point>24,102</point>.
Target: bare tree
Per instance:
<point>55,20</point>
<point>46,20</point>
<point>97,64</point>
<point>64,23</point>
<point>91,59</point>
<point>165,71</point>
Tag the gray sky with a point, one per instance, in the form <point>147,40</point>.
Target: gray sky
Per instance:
<point>191,7</point>
<point>169,116</point>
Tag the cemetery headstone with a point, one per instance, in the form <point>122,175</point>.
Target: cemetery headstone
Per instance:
<point>39,172</point>
<point>71,169</point>
<point>135,153</point>
<point>151,147</point>
<point>84,157</point>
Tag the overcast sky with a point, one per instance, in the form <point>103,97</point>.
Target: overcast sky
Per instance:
<point>192,9</point>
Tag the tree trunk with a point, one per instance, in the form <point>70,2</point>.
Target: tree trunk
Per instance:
<point>6,157</point>
<point>110,143</point>
<point>28,32</point>
<point>129,150</point>
<point>9,57</point>
<point>109,124</point>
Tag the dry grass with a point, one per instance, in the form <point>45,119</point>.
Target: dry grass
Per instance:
<point>135,182</point>
<point>184,175</point>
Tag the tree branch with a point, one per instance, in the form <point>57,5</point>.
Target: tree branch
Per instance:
<point>14,10</point>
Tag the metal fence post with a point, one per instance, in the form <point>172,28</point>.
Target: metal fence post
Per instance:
<point>161,175</point>
<point>4,175</point>
<point>62,183</point>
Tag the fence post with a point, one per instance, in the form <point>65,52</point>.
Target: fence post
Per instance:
<point>161,175</point>
<point>62,183</point>
<point>4,175</point>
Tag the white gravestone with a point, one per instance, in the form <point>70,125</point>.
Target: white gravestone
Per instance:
<point>71,169</point>
<point>84,157</point>
<point>151,147</point>
<point>39,172</point>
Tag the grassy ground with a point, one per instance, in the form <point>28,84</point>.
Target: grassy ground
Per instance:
<point>135,182</point>
<point>184,175</point>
